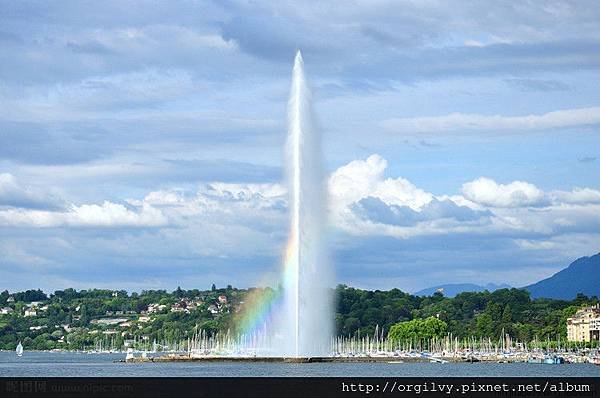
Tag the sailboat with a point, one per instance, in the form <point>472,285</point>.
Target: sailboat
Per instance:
<point>19,350</point>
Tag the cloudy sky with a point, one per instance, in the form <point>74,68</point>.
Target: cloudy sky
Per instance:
<point>141,142</point>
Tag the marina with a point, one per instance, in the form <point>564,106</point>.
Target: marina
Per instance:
<point>377,348</point>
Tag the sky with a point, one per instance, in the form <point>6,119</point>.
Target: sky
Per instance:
<point>141,142</point>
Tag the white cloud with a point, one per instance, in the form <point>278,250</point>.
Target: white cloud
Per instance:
<point>97,96</point>
<point>364,202</point>
<point>154,37</point>
<point>107,214</point>
<point>14,194</point>
<point>567,245</point>
<point>225,204</point>
<point>232,220</point>
<point>224,220</point>
<point>465,122</point>
<point>356,180</point>
<point>535,245</point>
<point>577,195</point>
<point>246,191</point>
<point>489,193</point>
<point>111,214</point>
<point>363,178</point>
<point>23,206</point>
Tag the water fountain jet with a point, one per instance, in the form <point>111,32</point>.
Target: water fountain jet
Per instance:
<point>307,289</point>
<point>298,320</point>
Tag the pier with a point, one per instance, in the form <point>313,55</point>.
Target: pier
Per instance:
<point>187,358</point>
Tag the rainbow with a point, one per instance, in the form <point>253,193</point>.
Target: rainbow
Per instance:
<point>262,305</point>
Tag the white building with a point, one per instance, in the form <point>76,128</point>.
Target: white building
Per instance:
<point>154,308</point>
<point>584,325</point>
<point>37,327</point>
<point>30,312</point>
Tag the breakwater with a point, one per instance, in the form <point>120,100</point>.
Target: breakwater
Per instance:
<point>187,358</point>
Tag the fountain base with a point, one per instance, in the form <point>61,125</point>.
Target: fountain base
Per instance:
<point>186,358</point>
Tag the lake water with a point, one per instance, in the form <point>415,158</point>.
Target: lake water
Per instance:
<point>65,364</point>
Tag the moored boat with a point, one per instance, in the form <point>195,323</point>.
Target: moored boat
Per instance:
<point>19,350</point>
<point>554,360</point>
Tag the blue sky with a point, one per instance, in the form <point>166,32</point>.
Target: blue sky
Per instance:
<point>141,143</point>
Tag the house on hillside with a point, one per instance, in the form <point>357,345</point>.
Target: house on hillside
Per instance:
<point>36,328</point>
<point>154,308</point>
<point>179,307</point>
<point>30,312</point>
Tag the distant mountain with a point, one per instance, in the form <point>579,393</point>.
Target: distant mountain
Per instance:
<point>582,276</point>
<point>452,289</point>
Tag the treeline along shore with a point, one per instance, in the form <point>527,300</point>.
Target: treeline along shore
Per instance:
<point>114,320</point>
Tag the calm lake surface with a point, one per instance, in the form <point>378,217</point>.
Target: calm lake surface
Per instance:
<point>65,364</point>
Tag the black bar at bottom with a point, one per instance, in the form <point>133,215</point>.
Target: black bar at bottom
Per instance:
<point>288,387</point>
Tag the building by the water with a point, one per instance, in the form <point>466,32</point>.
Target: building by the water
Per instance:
<point>584,325</point>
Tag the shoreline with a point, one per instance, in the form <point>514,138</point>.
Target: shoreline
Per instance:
<point>556,358</point>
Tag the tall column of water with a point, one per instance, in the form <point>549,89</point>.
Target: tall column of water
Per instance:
<point>307,286</point>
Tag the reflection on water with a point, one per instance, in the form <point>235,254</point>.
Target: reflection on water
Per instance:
<point>61,364</point>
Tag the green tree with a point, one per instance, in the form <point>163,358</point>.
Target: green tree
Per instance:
<point>3,297</point>
<point>351,326</point>
<point>434,327</point>
<point>421,330</point>
<point>506,320</point>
